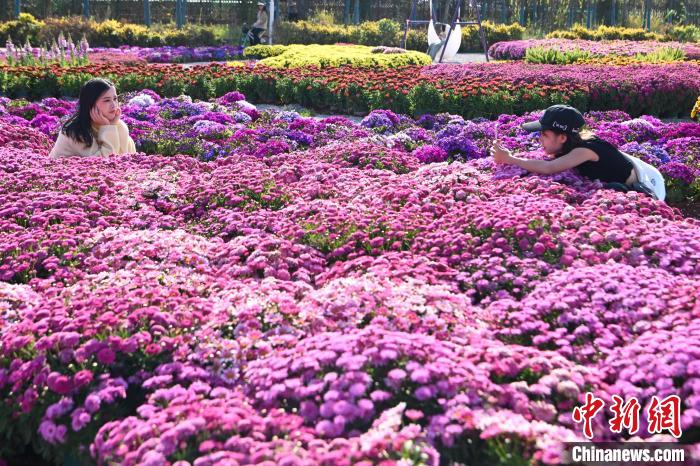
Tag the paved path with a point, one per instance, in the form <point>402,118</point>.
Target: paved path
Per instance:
<point>467,58</point>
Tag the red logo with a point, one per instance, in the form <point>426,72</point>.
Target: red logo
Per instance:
<point>587,412</point>
<point>662,415</point>
<point>665,415</point>
<point>625,415</point>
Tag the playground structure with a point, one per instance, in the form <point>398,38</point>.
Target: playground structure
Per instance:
<point>454,32</point>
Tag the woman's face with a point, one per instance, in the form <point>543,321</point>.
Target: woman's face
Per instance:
<point>552,142</point>
<point>107,103</point>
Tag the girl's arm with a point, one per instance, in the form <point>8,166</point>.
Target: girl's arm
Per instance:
<point>63,146</point>
<point>108,137</point>
<point>544,167</point>
<point>126,144</point>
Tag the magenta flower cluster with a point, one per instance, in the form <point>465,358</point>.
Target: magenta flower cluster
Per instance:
<point>516,49</point>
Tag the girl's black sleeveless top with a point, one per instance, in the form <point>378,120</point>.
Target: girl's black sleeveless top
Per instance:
<point>611,166</point>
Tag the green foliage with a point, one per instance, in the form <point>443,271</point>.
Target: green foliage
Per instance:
<point>688,33</point>
<point>323,17</point>
<point>425,98</point>
<point>109,33</point>
<point>24,28</point>
<point>388,32</point>
<point>604,33</point>
<point>661,55</point>
<point>550,56</point>
<point>264,51</point>
<point>494,33</point>
<point>325,56</point>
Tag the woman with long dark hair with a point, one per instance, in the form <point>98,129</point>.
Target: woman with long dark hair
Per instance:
<point>96,127</point>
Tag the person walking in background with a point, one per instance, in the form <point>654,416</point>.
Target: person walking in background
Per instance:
<point>260,25</point>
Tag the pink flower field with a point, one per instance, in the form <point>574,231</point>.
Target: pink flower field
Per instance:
<point>295,291</point>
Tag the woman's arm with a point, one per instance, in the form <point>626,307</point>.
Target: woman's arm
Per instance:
<point>108,136</point>
<point>544,167</point>
<point>66,146</point>
<point>63,147</point>
<point>126,143</point>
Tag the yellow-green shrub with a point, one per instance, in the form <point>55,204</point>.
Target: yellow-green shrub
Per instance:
<point>325,56</point>
<point>109,33</point>
<point>304,32</point>
<point>551,56</point>
<point>75,26</point>
<point>688,33</point>
<point>191,35</point>
<point>416,39</point>
<point>264,51</point>
<point>24,28</point>
<point>494,33</point>
<point>603,32</point>
<point>662,55</point>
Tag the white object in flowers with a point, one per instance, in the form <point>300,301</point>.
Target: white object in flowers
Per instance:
<point>205,127</point>
<point>638,122</point>
<point>244,103</point>
<point>648,176</point>
<point>289,115</point>
<point>142,100</point>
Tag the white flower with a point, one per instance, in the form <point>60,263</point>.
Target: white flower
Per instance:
<point>142,100</point>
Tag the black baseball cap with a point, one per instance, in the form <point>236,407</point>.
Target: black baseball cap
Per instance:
<point>558,117</point>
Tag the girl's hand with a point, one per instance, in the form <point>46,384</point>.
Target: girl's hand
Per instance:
<point>117,115</point>
<point>98,118</point>
<point>500,154</point>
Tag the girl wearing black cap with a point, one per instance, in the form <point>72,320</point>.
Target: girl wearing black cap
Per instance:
<point>560,136</point>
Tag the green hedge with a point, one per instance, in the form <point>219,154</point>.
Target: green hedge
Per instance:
<point>387,32</point>
<point>264,51</point>
<point>687,33</point>
<point>112,33</point>
<point>108,33</point>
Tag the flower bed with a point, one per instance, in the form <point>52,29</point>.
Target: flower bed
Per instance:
<point>473,90</point>
<point>338,304</point>
<point>516,50</point>
<point>169,54</point>
<point>332,56</point>
<point>230,126</point>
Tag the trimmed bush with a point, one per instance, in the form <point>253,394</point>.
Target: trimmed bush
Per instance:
<point>330,56</point>
<point>688,33</point>
<point>542,55</point>
<point>604,33</point>
<point>108,33</point>
<point>264,51</point>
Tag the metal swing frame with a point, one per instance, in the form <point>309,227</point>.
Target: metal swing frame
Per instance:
<point>457,6</point>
